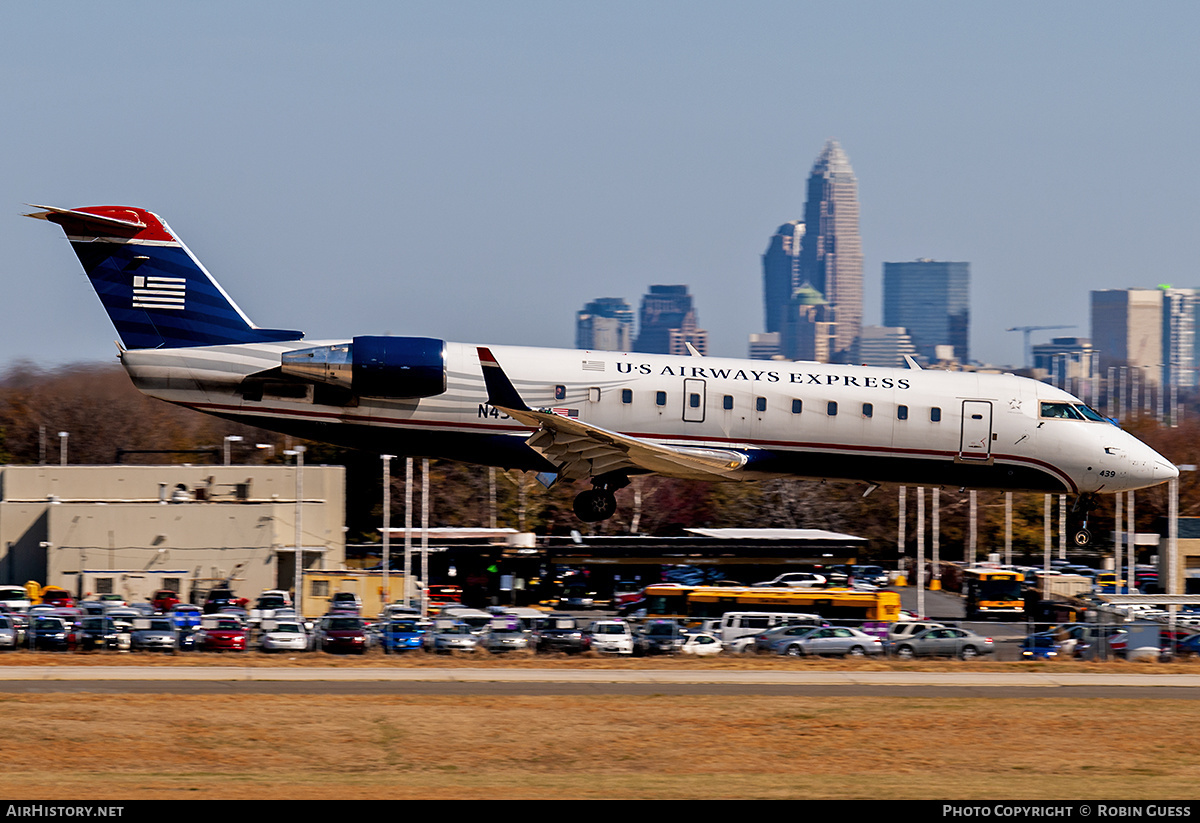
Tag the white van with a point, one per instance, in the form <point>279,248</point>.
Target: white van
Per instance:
<point>738,629</point>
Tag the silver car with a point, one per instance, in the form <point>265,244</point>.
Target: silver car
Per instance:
<point>943,641</point>
<point>831,640</point>
<point>154,634</point>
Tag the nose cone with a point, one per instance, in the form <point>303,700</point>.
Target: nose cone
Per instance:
<point>1149,468</point>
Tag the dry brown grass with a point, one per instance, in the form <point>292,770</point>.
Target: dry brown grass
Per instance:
<point>135,746</point>
<point>239,746</point>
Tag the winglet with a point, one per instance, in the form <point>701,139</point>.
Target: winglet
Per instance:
<point>501,392</point>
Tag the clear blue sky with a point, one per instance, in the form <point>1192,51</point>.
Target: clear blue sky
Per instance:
<point>479,170</point>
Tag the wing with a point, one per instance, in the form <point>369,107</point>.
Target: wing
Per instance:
<point>581,450</point>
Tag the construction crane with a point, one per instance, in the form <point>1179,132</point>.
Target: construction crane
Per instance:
<point>1029,330</point>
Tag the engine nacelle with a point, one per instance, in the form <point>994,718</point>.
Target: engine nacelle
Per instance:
<point>371,366</point>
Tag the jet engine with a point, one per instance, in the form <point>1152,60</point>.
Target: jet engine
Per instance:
<point>370,366</point>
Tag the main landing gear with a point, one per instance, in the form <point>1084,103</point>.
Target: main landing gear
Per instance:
<point>1077,520</point>
<point>599,502</point>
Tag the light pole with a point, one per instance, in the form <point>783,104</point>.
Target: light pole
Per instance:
<point>299,454</point>
<point>230,438</point>
<point>387,524</point>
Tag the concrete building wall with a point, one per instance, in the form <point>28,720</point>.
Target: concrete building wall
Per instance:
<point>79,526</point>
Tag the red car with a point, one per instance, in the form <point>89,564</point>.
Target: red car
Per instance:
<point>164,600</point>
<point>57,597</point>
<point>220,634</point>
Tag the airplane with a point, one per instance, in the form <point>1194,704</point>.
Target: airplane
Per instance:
<point>596,416</point>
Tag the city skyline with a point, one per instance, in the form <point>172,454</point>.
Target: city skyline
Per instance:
<point>520,161</point>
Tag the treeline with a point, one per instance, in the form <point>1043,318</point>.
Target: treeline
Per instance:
<point>97,405</point>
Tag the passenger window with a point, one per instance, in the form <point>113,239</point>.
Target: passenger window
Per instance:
<point>728,402</point>
<point>594,394</point>
<point>935,414</point>
<point>868,409</point>
<point>660,398</point>
<point>797,406</point>
<point>760,403</point>
<point>902,412</point>
<point>560,392</point>
<point>831,409</point>
<point>626,395</point>
<point>694,400</point>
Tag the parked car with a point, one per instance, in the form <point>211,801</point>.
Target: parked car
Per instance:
<point>282,635</point>
<point>219,599</point>
<point>186,616</point>
<point>659,636</point>
<point>578,597</point>
<point>505,635</point>
<point>15,598</point>
<point>403,634</point>
<point>8,632</point>
<point>774,640</point>
<point>451,636</point>
<point>102,633</point>
<point>563,633</point>
<point>796,580</point>
<point>1040,647</point>
<point>910,628</point>
<point>57,597</point>
<point>221,632</point>
<point>830,640</point>
<point>164,600</point>
<point>345,603</point>
<point>701,644</point>
<point>342,633</point>
<point>611,637</point>
<point>153,634</point>
<point>942,642</point>
<point>50,632</point>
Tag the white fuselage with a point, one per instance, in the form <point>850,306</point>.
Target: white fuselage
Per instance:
<point>794,418</point>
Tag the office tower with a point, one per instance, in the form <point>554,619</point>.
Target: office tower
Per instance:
<point>831,258</point>
<point>781,272</point>
<point>932,300</point>
<point>605,324</point>
<point>668,322</point>
<point>765,345</point>
<point>884,346</point>
<point>1179,337</point>
<point>1127,329</point>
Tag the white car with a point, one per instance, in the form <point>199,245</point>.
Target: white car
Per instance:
<point>796,580</point>
<point>283,635</point>
<point>611,637</point>
<point>701,644</point>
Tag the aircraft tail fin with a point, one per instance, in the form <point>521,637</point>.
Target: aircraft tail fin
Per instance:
<point>155,291</point>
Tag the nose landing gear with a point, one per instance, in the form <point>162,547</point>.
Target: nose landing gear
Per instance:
<point>1078,519</point>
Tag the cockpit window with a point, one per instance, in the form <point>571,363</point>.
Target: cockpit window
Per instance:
<point>1062,410</point>
<point>1090,413</point>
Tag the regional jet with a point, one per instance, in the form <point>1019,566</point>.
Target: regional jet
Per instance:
<point>592,417</point>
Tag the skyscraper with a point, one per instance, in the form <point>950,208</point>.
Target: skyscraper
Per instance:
<point>668,322</point>
<point>781,272</point>
<point>831,259</point>
<point>1127,329</point>
<point>930,299</point>
<point>605,324</point>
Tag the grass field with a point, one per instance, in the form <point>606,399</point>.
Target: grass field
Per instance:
<point>136,746</point>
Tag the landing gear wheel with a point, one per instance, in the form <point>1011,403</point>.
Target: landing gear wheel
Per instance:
<point>594,505</point>
<point>1083,537</point>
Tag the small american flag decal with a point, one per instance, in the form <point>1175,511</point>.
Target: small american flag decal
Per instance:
<point>150,292</point>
